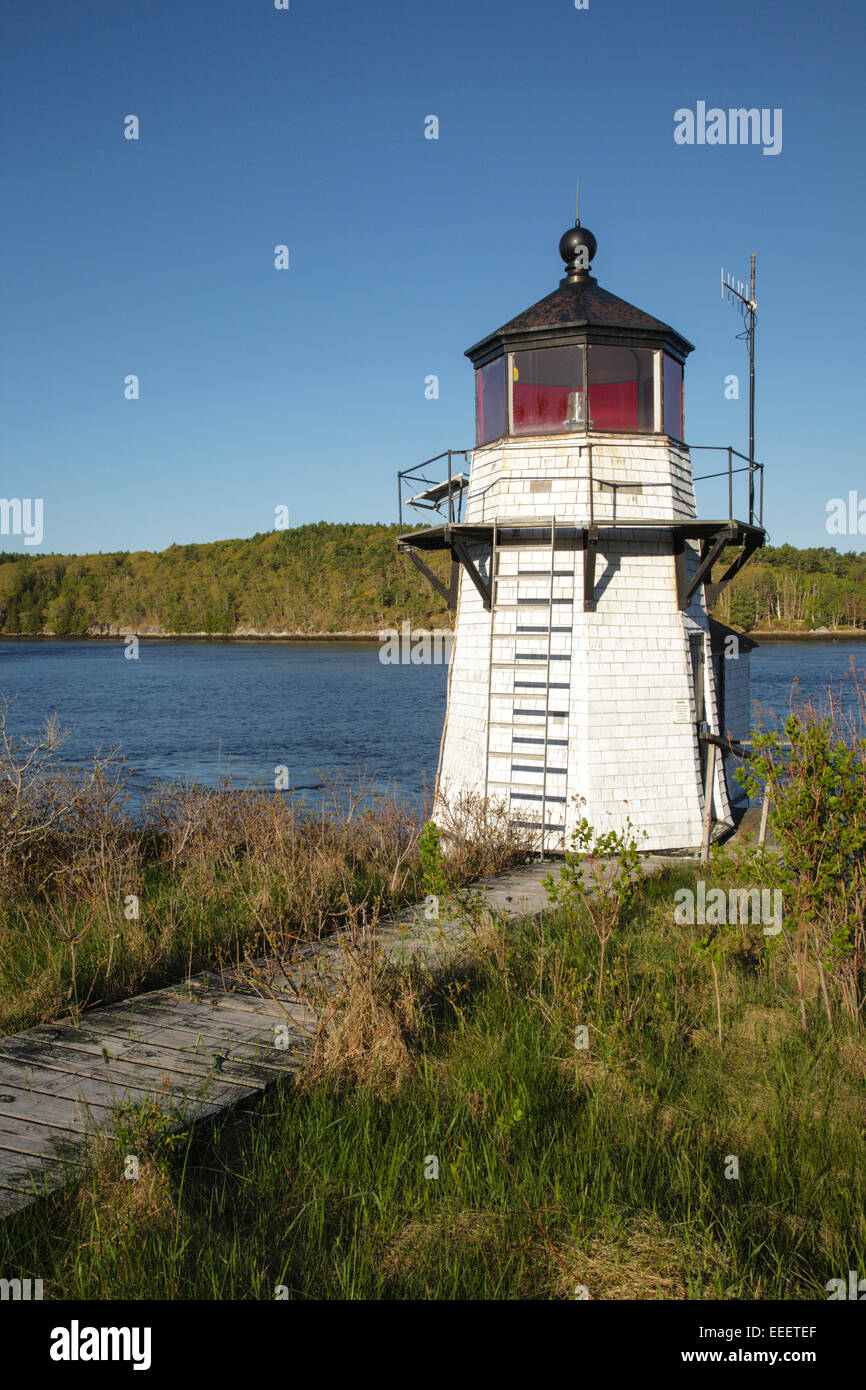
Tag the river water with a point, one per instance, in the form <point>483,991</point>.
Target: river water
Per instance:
<point>199,711</point>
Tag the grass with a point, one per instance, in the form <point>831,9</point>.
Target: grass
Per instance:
<point>562,1172</point>
<point>101,899</point>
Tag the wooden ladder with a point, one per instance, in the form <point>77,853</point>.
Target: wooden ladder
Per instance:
<point>529,678</point>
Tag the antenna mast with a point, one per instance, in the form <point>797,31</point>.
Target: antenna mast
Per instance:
<point>735,292</point>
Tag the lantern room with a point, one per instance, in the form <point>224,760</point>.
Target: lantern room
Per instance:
<point>579,360</point>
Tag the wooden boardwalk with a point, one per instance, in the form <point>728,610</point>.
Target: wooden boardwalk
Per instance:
<point>194,1049</point>
<point>201,1046</point>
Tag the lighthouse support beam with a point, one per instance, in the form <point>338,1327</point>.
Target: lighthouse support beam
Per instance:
<point>590,552</point>
<point>710,552</point>
<point>713,543</point>
<point>712,591</point>
<point>458,548</point>
<point>449,594</point>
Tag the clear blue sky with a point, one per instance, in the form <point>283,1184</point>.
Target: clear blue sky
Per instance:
<point>306,127</point>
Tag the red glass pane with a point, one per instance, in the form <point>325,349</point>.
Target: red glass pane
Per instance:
<point>613,406</point>
<point>621,389</point>
<point>547,391</point>
<point>673,397</point>
<point>490,413</point>
<point>539,409</point>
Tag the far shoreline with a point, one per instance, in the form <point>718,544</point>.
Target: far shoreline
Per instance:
<point>365,637</point>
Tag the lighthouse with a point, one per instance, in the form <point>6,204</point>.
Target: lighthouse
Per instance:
<point>586,677</point>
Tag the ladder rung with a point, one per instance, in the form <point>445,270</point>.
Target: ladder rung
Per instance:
<point>525,661</point>
<point>525,603</point>
<point>550,771</point>
<point>538,633</point>
<point>528,757</point>
<point>542,713</point>
<point>540,685</point>
<point>551,742</point>
<point>526,793</point>
<point>509,724</point>
<point>548,827</point>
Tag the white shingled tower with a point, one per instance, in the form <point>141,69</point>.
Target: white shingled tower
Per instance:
<point>584,664</point>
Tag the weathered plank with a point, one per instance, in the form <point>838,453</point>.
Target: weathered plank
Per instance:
<point>168,1057</point>
<point>194,1048</point>
<point>17,1136</point>
<point>48,1079</point>
<point>147,1010</point>
<point>51,1111</point>
<point>141,1075</point>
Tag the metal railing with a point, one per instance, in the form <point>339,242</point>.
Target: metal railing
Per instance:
<point>410,477</point>
<point>756,513</point>
<point>453,492</point>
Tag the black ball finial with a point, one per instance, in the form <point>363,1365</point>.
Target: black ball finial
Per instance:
<point>577,248</point>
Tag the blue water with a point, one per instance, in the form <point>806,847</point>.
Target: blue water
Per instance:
<point>814,666</point>
<point>201,710</point>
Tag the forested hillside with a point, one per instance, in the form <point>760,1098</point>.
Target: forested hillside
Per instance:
<point>331,577</point>
<point>321,578</point>
<point>785,588</point>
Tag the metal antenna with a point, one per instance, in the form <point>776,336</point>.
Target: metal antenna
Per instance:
<point>734,292</point>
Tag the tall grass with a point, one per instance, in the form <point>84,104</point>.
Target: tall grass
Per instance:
<point>563,1171</point>
<point>101,897</point>
<point>816,779</point>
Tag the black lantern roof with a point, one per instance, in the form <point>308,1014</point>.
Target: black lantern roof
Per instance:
<point>579,311</point>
